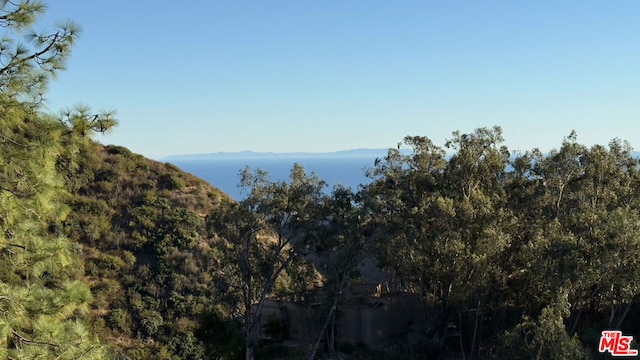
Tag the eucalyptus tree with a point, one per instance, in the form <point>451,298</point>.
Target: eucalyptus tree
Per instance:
<point>577,237</point>
<point>262,236</point>
<point>600,208</point>
<point>609,217</point>
<point>542,261</point>
<point>442,224</point>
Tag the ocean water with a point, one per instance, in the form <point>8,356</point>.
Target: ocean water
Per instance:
<point>224,174</point>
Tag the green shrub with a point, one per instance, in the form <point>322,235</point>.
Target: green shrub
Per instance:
<point>118,319</point>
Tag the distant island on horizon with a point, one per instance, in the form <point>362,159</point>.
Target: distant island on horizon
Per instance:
<point>342,154</point>
<point>241,155</point>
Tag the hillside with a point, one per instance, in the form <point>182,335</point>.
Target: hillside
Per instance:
<point>140,228</point>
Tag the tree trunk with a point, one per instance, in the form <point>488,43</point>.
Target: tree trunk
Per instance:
<point>612,315</point>
<point>312,354</point>
<point>253,320</point>
<point>444,321</point>
<point>464,357</point>
<point>574,327</point>
<point>623,316</point>
<point>250,348</point>
<point>332,334</point>
<point>475,329</point>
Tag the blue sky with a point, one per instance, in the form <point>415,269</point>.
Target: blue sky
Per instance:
<point>315,76</point>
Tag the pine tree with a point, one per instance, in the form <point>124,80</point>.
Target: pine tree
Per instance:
<point>42,298</point>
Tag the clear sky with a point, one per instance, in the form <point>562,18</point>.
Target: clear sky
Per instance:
<point>206,76</point>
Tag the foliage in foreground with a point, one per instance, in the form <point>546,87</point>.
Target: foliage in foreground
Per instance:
<point>43,301</point>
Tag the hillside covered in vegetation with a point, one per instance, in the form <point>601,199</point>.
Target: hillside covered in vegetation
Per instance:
<point>140,227</point>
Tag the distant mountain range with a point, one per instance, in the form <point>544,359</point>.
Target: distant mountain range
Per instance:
<point>242,155</point>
